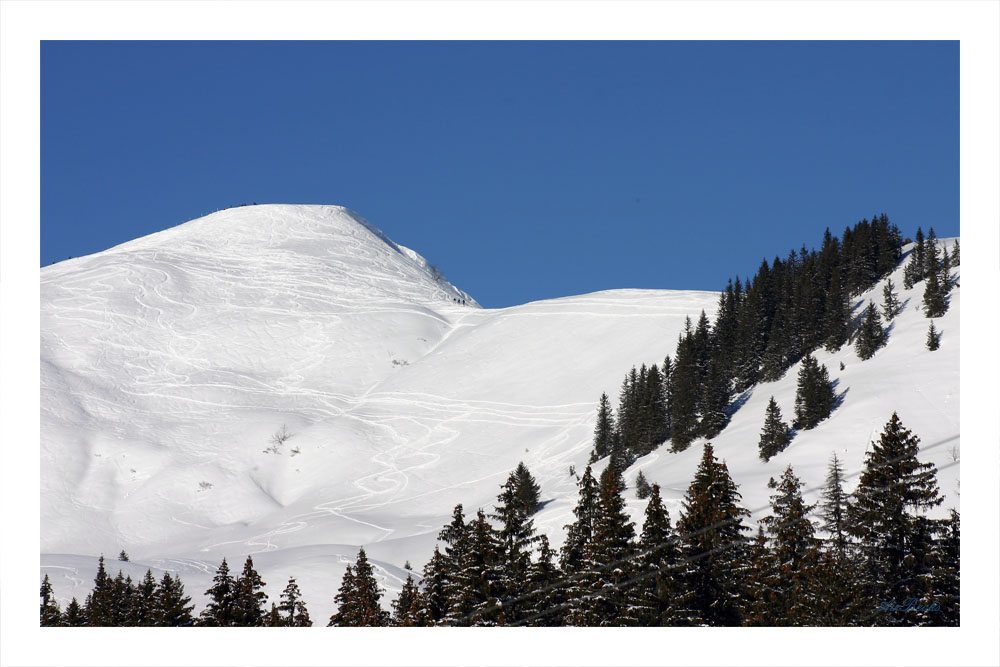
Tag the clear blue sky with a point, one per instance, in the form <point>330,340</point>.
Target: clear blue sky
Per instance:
<point>525,170</point>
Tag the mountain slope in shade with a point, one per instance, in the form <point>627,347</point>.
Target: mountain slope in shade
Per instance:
<point>170,363</point>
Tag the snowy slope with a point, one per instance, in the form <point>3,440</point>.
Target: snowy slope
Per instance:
<point>168,363</point>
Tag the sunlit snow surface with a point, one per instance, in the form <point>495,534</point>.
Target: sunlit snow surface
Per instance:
<point>168,363</point>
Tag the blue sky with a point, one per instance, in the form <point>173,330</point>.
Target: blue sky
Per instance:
<point>525,170</point>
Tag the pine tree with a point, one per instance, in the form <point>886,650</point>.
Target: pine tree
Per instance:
<point>933,338</point>
<point>173,609</point>
<point>833,508</point>
<point>838,573</point>
<point>476,600</point>
<point>893,484</point>
<point>711,529</point>
<point>250,604</point>
<point>955,255</point>
<point>775,435</point>
<point>837,313</point>
<point>294,613</point>
<point>75,615</point>
<point>122,593</point>
<point>122,556</point>
<point>890,301</point>
<point>604,430</point>
<point>220,610</point>
<point>814,397</point>
<point>947,565</point>
<point>49,614</point>
<point>273,618</point>
<point>796,553</point>
<point>406,606</point>
<point>871,334</point>
<point>456,537</point>
<point>653,595</point>
<point>684,394</point>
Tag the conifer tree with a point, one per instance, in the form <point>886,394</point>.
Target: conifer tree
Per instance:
<point>542,603</point>
<point>775,435</point>
<point>598,594</point>
<point>146,607</point>
<point>684,394</point>
<point>49,614</point>
<point>527,489</point>
<point>714,546</point>
<point>220,611</point>
<point>294,613</point>
<point>935,299</point>
<point>955,255</point>
<point>273,618</point>
<point>871,334</point>
<point>434,597</point>
<point>406,606</point>
<point>122,556</point>
<point>100,607</point>
<point>894,484</point>
<point>933,338</point>
<point>75,615</point>
<point>837,313</point>
<point>345,600</point>
<point>653,596</point>
<point>516,536</point>
<point>833,508</point>
<point>580,533</point>
<point>814,397</point>
<point>173,609</point>
<point>122,593</point>
<point>715,400</point>
<point>604,430</point>
<point>476,600</point>
<point>250,604</point>
<point>642,487</point>
<point>947,565</point>
<point>890,301</point>
<point>796,553</point>
<point>367,608</point>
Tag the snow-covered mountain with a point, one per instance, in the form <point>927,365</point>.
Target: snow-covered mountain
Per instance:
<point>173,366</point>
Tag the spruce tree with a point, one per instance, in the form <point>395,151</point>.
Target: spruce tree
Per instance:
<point>893,486</point>
<point>220,610</point>
<point>714,546</point>
<point>345,615</point>
<point>642,487</point>
<point>604,430</point>
<point>250,604</point>
<point>146,607</point>
<point>516,537</point>
<point>406,606</point>
<point>814,397</point>
<point>173,609</point>
<point>49,614</point>
<point>598,594</point>
<point>527,489</point>
<point>542,605</point>
<point>935,299</point>
<point>796,553</point>
<point>434,597</point>
<point>956,260</point>
<point>833,508</point>
<point>947,565</point>
<point>933,338</point>
<point>122,592</point>
<point>294,613</point>
<point>890,301</point>
<point>871,335</point>
<point>837,314</point>
<point>715,400</point>
<point>476,600</point>
<point>580,533</point>
<point>653,594</point>
<point>775,435</point>
<point>100,607</point>
<point>75,615</point>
